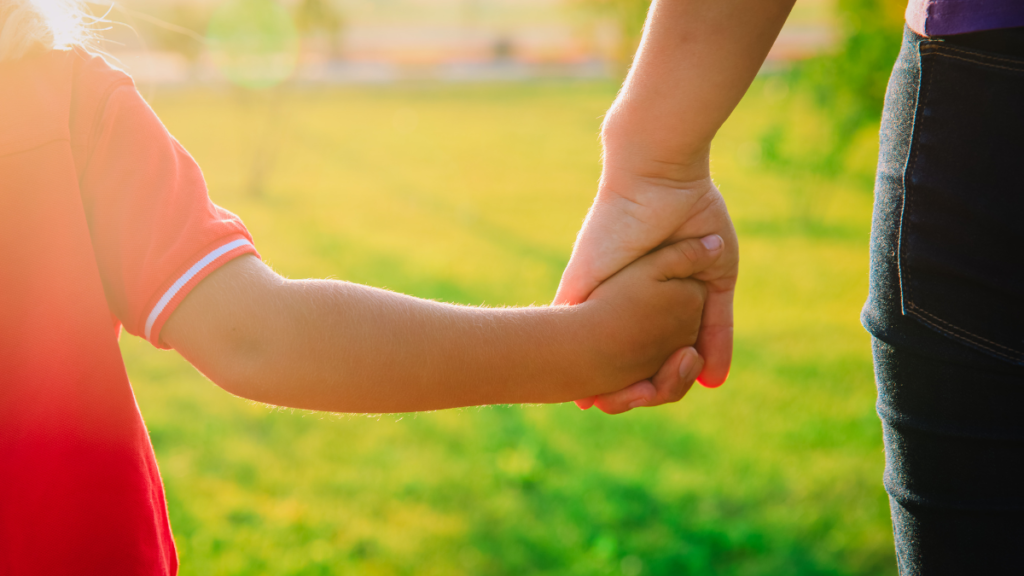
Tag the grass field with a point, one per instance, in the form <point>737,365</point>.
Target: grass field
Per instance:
<point>473,194</point>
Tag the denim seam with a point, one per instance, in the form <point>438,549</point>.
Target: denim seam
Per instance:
<point>937,53</point>
<point>968,335</point>
<point>908,200</point>
<point>910,162</point>
<point>936,48</point>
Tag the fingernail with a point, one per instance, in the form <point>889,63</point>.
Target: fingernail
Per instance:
<point>686,364</point>
<point>637,403</point>
<point>712,242</point>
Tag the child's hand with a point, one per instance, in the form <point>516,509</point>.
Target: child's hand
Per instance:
<point>649,316</point>
<point>634,214</point>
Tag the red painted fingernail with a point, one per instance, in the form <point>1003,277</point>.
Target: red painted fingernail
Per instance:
<point>706,385</point>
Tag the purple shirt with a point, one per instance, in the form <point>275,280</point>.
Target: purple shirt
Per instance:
<point>946,17</point>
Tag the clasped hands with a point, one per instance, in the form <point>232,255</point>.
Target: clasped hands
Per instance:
<point>634,213</point>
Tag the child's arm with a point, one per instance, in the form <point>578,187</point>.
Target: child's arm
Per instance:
<point>331,345</point>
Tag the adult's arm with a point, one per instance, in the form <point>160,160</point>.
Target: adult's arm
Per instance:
<point>331,345</point>
<point>696,60</point>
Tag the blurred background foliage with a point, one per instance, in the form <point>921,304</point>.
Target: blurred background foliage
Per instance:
<point>845,87</point>
<point>628,15</point>
<point>181,26</point>
<point>473,192</point>
<point>254,43</point>
<point>321,19</point>
<point>177,27</point>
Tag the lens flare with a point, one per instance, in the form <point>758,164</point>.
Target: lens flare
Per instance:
<point>254,43</point>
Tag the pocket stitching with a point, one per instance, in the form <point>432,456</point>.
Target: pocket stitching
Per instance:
<point>908,202</point>
<point>935,48</point>
<point>953,329</point>
<point>937,53</point>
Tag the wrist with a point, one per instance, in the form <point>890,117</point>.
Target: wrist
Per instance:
<point>613,356</point>
<point>588,361</point>
<point>636,145</point>
<point>635,162</point>
<point>657,188</point>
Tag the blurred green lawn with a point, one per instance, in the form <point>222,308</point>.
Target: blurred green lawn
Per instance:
<point>474,194</point>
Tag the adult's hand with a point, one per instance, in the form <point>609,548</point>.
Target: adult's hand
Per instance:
<point>632,215</point>
<point>696,60</point>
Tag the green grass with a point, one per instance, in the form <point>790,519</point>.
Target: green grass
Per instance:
<point>474,194</point>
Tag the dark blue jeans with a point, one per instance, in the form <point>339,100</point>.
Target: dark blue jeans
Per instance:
<point>946,303</point>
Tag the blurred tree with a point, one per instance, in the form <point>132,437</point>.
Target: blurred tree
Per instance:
<point>186,17</point>
<point>174,27</point>
<point>848,85</point>
<point>256,46</point>
<point>471,12</point>
<point>321,19</point>
<point>628,16</point>
<point>254,43</point>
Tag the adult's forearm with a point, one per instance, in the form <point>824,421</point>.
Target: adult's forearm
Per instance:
<point>695,61</point>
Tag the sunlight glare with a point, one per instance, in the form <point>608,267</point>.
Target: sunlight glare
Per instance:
<point>64,18</point>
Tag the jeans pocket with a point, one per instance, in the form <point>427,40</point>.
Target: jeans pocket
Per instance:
<point>961,245</point>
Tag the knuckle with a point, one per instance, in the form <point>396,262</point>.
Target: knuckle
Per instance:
<point>701,292</point>
<point>691,295</point>
<point>688,251</point>
<point>610,408</point>
<point>676,392</point>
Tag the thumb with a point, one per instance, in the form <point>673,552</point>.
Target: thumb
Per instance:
<point>606,243</point>
<point>575,286</point>
<point>581,275</point>
<point>687,257</point>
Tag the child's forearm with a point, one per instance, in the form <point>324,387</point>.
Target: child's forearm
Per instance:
<point>329,345</point>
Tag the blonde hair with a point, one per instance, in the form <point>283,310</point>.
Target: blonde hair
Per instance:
<point>30,26</point>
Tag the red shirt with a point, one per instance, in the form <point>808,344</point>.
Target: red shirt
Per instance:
<point>104,221</point>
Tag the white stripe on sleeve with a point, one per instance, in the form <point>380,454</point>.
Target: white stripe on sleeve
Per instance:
<point>180,282</point>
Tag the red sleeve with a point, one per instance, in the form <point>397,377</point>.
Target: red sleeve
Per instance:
<point>155,232</point>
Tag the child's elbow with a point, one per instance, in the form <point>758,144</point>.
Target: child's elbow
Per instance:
<point>229,325</point>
